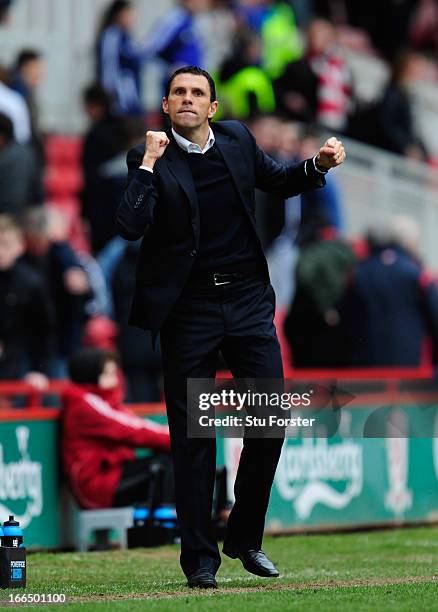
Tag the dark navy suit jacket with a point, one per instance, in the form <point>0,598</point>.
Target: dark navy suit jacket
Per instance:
<point>162,207</point>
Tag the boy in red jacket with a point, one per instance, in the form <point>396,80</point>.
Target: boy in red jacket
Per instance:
<point>99,435</point>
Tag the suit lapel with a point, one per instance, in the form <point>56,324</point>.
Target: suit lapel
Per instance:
<point>178,166</point>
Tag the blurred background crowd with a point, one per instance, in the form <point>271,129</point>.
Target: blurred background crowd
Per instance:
<point>353,288</point>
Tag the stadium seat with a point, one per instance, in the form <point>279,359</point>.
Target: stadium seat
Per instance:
<point>63,150</point>
<point>61,181</point>
<point>89,521</point>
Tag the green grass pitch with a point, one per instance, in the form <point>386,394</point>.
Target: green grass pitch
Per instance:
<point>381,570</point>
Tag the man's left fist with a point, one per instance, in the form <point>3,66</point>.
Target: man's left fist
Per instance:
<point>331,154</point>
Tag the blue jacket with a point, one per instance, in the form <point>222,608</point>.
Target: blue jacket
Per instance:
<point>390,310</point>
<point>119,61</point>
<point>176,41</point>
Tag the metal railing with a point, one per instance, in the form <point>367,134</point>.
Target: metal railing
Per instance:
<point>34,397</point>
<point>377,185</point>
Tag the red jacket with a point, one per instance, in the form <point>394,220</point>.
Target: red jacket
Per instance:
<point>98,436</point>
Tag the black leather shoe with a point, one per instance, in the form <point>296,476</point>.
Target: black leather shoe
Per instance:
<point>202,579</point>
<point>254,561</point>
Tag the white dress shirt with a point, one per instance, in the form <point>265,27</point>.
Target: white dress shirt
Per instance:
<point>191,147</point>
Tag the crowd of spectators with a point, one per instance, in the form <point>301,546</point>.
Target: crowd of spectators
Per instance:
<point>284,56</point>
<point>280,66</point>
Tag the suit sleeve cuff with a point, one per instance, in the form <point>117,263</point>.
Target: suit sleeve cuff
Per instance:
<point>146,168</point>
<point>316,168</point>
<point>313,173</point>
<point>144,176</point>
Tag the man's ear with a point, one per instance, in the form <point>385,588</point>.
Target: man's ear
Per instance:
<point>213,109</point>
<point>165,106</point>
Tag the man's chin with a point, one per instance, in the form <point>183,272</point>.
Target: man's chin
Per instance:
<point>186,120</point>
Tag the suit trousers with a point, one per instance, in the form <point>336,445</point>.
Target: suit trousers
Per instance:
<point>236,320</point>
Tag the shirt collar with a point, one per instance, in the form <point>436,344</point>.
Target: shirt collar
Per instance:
<point>191,147</point>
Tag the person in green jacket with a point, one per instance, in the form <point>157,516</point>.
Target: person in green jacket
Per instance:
<point>244,88</point>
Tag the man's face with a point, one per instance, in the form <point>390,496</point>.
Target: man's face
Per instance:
<point>188,104</point>
<point>11,247</point>
<point>94,111</point>
<point>321,36</point>
<point>126,18</point>
<point>33,72</point>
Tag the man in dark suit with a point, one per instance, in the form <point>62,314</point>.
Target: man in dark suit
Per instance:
<point>202,281</point>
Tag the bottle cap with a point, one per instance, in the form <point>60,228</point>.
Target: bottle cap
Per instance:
<point>141,514</point>
<point>12,528</point>
<point>165,513</point>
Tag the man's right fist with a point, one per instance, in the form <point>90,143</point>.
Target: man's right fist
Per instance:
<point>156,143</point>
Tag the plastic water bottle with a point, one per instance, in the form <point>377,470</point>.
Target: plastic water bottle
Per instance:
<point>12,556</point>
<point>165,518</point>
<point>12,534</point>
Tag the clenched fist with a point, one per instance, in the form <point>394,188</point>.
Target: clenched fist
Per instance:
<point>156,143</point>
<point>331,154</point>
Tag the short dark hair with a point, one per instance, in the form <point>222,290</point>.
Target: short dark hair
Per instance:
<point>96,94</point>
<point>112,12</point>
<point>4,8</point>
<point>87,364</point>
<point>196,70</point>
<point>25,56</point>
